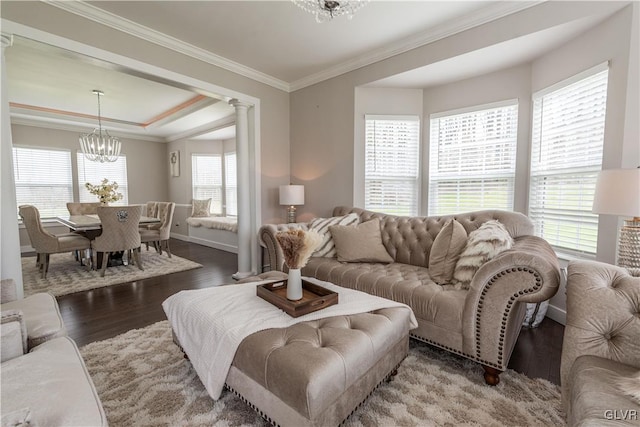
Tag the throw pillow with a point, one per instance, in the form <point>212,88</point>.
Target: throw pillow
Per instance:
<point>445,251</point>
<point>631,386</point>
<point>362,243</point>
<point>321,226</point>
<point>483,244</point>
<point>200,208</point>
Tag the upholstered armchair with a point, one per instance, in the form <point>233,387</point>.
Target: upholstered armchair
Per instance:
<point>83,208</point>
<point>159,233</point>
<point>27,322</point>
<point>46,243</point>
<point>601,346</point>
<point>119,233</point>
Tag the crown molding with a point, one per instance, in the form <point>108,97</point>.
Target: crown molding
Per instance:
<point>449,28</point>
<point>28,121</point>
<point>446,29</point>
<point>111,20</point>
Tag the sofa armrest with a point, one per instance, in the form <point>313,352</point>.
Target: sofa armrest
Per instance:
<point>494,307</point>
<point>267,236</point>
<point>8,291</point>
<point>603,309</point>
<point>13,334</point>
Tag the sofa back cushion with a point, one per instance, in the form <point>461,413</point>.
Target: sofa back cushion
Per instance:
<point>362,243</point>
<point>409,239</point>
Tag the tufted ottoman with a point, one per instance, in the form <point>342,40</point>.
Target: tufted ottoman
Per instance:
<point>316,373</point>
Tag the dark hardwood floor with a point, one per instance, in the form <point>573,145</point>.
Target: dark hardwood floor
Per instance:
<point>106,312</point>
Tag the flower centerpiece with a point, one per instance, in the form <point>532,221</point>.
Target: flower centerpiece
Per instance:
<point>297,246</point>
<point>105,191</point>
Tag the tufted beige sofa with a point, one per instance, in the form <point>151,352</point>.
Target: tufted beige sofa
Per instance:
<point>481,323</point>
<point>601,345</point>
<point>44,379</point>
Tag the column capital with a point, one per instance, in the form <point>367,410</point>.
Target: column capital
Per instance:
<point>239,104</point>
<point>6,39</point>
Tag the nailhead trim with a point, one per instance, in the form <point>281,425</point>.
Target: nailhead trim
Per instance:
<point>507,311</point>
<point>273,423</point>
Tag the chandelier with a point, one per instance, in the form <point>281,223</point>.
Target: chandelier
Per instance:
<point>326,10</point>
<point>99,146</point>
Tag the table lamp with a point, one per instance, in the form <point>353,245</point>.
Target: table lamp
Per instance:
<point>291,195</point>
<point>618,193</point>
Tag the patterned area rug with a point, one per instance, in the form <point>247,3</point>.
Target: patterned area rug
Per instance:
<point>67,276</point>
<point>143,380</point>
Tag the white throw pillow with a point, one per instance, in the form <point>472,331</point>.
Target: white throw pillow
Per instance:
<point>483,244</point>
<point>321,226</point>
<point>200,208</point>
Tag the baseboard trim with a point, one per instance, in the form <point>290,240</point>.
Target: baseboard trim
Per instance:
<point>557,314</point>
<point>204,242</point>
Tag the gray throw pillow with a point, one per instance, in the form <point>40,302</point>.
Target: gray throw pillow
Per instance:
<point>362,243</point>
<point>200,208</point>
<point>483,244</point>
<point>445,251</point>
<point>321,226</point>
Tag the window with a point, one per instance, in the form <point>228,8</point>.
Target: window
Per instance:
<point>230,184</point>
<point>391,164</point>
<point>43,179</point>
<point>472,159</point>
<point>567,143</point>
<point>95,172</point>
<point>206,174</point>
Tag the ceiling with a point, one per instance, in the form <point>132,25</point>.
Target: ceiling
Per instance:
<point>274,42</point>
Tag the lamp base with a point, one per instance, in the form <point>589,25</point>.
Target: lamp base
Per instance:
<point>291,214</point>
<point>629,244</point>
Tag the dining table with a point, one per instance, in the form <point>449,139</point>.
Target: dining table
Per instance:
<point>90,226</point>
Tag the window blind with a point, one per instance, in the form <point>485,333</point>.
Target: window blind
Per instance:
<point>206,175</point>
<point>231,184</point>
<point>567,146</point>
<point>43,179</point>
<point>472,159</point>
<point>391,164</point>
<point>95,172</point>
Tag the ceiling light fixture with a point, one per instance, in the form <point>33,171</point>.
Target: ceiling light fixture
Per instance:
<point>99,146</point>
<point>326,10</point>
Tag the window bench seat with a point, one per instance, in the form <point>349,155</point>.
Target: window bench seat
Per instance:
<point>215,231</point>
<point>215,222</point>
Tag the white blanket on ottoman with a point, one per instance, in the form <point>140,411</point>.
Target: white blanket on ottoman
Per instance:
<point>211,323</point>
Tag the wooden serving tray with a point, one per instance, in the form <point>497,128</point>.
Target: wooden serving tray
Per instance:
<point>314,297</point>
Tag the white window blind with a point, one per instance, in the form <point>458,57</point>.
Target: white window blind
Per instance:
<point>231,184</point>
<point>43,179</point>
<point>391,164</point>
<point>95,172</point>
<point>567,144</point>
<point>206,174</point>
<point>472,159</point>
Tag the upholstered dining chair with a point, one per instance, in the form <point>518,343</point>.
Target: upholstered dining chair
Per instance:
<point>159,235</point>
<point>83,208</point>
<point>119,233</point>
<point>46,243</point>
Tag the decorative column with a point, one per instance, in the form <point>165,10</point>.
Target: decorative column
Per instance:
<point>10,265</point>
<point>244,192</point>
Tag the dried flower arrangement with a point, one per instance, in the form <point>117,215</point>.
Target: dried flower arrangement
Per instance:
<point>106,192</point>
<point>297,246</point>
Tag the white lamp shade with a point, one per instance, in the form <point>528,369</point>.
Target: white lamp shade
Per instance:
<point>618,192</point>
<point>291,195</point>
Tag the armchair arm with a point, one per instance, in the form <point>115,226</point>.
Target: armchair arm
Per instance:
<point>13,334</point>
<point>603,302</point>
<point>494,307</point>
<point>8,291</point>
<point>267,236</point>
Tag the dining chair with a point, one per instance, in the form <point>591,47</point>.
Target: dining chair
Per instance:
<point>46,243</point>
<point>159,235</point>
<point>119,233</point>
<point>83,208</point>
